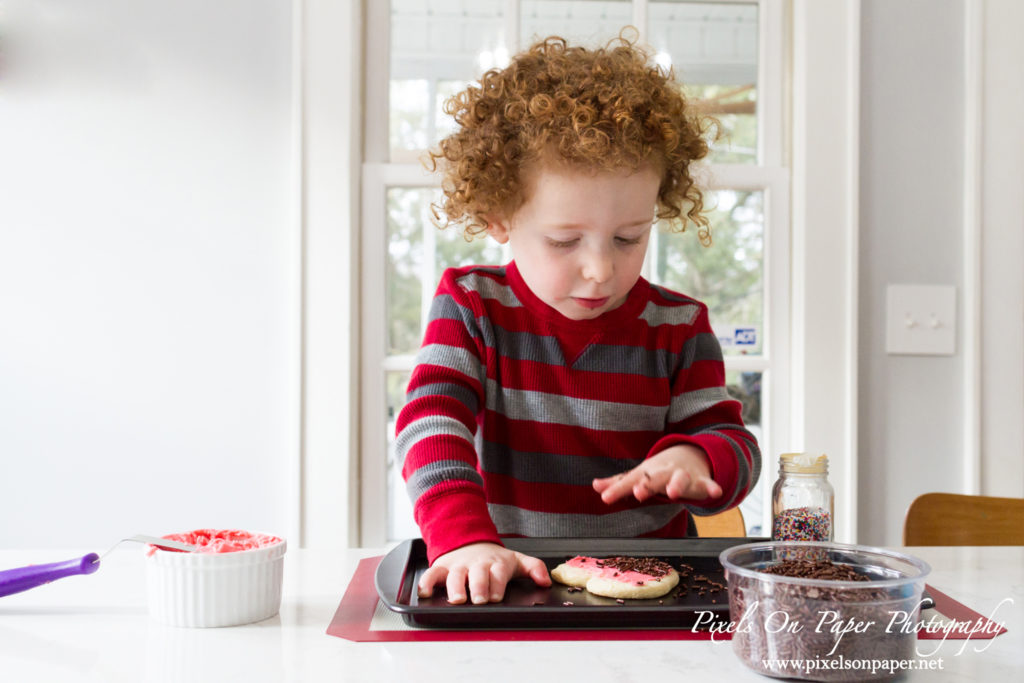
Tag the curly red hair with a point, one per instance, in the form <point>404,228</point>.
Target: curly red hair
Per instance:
<point>599,109</point>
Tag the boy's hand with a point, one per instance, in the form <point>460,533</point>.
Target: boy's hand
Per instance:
<point>679,472</point>
<point>487,567</point>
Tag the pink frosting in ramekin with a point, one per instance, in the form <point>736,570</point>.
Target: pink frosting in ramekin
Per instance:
<point>222,540</point>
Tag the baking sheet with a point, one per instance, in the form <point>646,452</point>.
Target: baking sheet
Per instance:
<point>356,619</point>
<point>529,606</point>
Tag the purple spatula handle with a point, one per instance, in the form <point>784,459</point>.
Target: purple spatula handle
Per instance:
<point>23,578</point>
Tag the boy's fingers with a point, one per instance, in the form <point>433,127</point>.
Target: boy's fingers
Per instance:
<point>620,487</point>
<point>433,576</point>
<point>677,485</point>
<point>535,569</point>
<point>642,490</point>
<point>479,583</point>
<point>456,585</point>
<point>641,484</point>
<point>500,574</point>
<point>646,484</point>
<point>712,488</point>
<point>602,484</point>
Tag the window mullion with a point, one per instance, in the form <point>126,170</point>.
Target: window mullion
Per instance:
<point>378,82</point>
<point>770,83</point>
<point>512,26</point>
<point>431,109</point>
<point>741,176</point>
<point>429,274</point>
<point>640,18</point>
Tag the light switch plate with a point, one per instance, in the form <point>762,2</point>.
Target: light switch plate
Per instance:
<point>921,320</point>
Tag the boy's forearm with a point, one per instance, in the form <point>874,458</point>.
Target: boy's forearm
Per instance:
<point>707,417</point>
<point>435,445</point>
<point>452,519</point>
<point>436,428</point>
<point>703,413</point>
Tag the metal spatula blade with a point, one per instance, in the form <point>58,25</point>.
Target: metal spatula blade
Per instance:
<point>24,578</point>
<point>153,540</point>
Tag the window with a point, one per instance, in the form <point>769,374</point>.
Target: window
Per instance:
<point>728,55</point>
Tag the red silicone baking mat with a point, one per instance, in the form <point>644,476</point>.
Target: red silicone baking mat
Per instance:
<point>973,625</point>
<point>353,620</point>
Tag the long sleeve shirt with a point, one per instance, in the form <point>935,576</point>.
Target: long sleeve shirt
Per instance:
<point>513,409</point>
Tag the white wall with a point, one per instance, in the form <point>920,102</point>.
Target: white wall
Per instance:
<point>910,416</point>
<point>147,296</point>
<point>1002,251</point>
<point>149,264</point>
<point>915,411</point>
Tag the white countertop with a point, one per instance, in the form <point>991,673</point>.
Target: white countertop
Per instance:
<point>95,628</point>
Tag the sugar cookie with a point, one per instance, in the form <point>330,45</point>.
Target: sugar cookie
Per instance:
<point>618,577</point>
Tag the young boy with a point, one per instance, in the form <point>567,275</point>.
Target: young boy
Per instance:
<point>562,394</point>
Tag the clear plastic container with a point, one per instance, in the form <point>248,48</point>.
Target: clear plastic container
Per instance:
<point>803,507</point>
<point>780,619</point>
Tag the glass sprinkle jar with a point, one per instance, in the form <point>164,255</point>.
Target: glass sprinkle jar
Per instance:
<point>802,499</point>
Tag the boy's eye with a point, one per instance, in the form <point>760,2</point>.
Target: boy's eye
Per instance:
<point>628,241</point>
<point>562,245</point>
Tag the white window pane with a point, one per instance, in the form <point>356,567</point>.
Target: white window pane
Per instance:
<point>728,276</point>
<point>410,115</point>
<point>453,251</point>
<point>582,22</point>
<point>434,44</point>
<point>734,107</point>
<point>418,254</point>
<point>713,50</point>
<point>408,211</point>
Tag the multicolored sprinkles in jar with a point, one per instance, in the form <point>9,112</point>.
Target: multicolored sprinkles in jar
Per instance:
<point>802,524</point>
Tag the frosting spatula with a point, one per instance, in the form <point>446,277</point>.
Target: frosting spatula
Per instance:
<point>24,578</point>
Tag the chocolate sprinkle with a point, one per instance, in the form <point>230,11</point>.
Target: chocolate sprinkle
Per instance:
<point>642,565</point>
<point>814,569</point>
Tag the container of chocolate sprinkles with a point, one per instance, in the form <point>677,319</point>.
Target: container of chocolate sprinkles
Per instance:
<point>814,602</point>
<point>802,499</point>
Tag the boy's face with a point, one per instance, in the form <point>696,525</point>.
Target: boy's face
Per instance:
<point>579,239</point>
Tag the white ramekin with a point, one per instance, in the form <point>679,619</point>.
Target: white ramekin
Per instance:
<point>202,590</point>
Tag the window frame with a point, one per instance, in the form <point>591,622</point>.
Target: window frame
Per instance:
<point>379,175</point>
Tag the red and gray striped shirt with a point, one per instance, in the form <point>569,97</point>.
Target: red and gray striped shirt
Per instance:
<point>513,409</point>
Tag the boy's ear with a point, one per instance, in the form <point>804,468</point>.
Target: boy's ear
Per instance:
<point>497,228</point>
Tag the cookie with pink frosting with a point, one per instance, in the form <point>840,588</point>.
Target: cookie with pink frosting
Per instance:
<point>618,577</point>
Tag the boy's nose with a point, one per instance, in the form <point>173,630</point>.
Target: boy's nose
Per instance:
<point>597,266</point>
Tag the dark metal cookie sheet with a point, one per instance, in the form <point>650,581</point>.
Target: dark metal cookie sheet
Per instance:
<point>529,606</point>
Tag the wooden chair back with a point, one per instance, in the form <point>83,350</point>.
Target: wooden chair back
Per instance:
<point>954,519</point>
<point>724,524</point>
